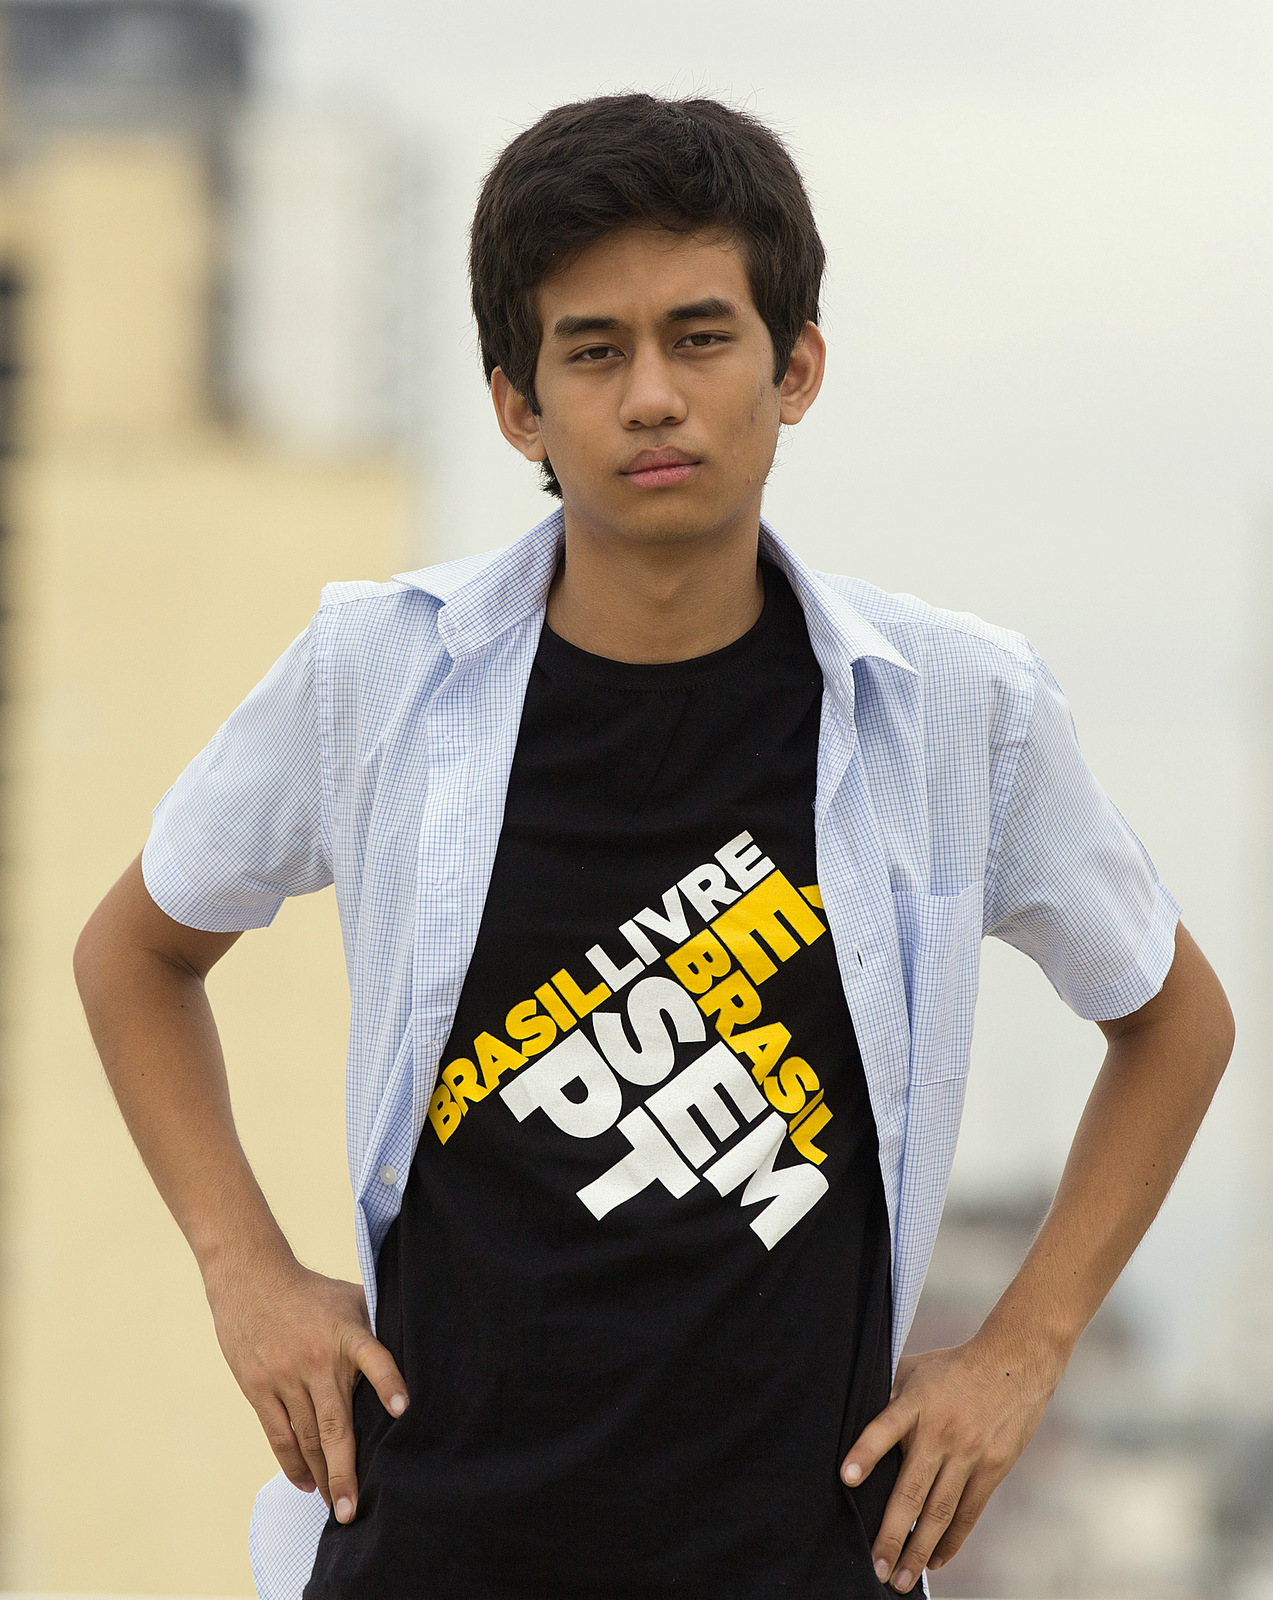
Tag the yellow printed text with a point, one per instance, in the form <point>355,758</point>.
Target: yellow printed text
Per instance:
<point>444,1113</point>
<point>462,1080</point>
<point>582,1003</point>
<point>806,1130</point>
<point>762,1046</point>
<point>758,913</point>
<point>530,1027</point>
<point>495,1058</point>
<point>700,961</point>
<point>732,1002</point>
<point>791,1085</point>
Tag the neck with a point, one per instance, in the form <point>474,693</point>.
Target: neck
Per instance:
<point>659,601</point>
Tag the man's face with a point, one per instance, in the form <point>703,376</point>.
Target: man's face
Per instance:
<point>658,407</point>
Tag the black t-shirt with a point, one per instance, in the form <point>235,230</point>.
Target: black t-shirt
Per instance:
<point>639,1284</point>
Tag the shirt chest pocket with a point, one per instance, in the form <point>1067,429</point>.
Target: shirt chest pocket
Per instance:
<point>940,940</point>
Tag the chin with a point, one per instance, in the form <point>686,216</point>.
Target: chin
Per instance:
<point>669,528</point>
<point>663,519</point>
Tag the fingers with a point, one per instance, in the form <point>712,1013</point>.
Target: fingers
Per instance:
<point>300,1413</point>
<point>297,1344</point>
<point>903,1511</point>
<point>336,1436</point>
<point>877,1439</point>
<point>960,1427</point>
<point>278,1431</point>
<point>324,1433</point>
<point>381,1372</point>
<point>940,1508</point>
<point>931,1512</point>
<point>972,1503</point>
<point>323,1451</point>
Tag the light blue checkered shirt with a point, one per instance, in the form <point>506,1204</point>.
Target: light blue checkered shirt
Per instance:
<point>952,802</point>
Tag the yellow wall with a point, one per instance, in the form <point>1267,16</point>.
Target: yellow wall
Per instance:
<point>155,569</point>
<point>119,246</point>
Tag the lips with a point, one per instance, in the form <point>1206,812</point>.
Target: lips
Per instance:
<point>660,469</point>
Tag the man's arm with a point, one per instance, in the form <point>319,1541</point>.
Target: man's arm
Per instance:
<point>295,1341</point>
<point>964,1415</point>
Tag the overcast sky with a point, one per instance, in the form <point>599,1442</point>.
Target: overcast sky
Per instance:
<point>1049,401</point>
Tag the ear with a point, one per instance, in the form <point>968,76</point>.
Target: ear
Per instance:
<point>517,422</point>
<point>803,377</point>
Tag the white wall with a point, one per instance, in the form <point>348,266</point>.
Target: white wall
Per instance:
<point>1049,402</point>
<point>329,277</point>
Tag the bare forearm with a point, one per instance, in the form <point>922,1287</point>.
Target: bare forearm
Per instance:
<point>295,1340</point>
<point>964,1415</point>
<point>1152,1092</point>
<point>155,1033</point>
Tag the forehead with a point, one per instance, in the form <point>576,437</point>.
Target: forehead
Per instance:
<point>634,274</point>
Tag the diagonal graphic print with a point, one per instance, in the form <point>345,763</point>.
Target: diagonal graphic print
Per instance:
<point>689,1109</point>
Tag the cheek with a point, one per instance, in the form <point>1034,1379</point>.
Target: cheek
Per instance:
<point>574,430</point>
<point>762,414</point>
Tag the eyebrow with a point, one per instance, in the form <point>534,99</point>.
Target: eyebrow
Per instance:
<point>712,308</point>
<point>568,327</point>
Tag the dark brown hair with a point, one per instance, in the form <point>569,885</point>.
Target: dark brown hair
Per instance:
<point>584,170</point>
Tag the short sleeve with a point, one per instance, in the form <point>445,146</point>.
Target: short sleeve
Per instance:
<point>242,827</point>
<point>1071,885</point>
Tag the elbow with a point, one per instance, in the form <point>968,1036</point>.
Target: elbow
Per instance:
<point>1197,1010</point>
<point>98,937</point>
<point>1225,1031</point>
<point>1213,1027</point>
<point>84,956</point>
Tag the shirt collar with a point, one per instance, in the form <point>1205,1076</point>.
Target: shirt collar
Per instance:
<point>484,596</point>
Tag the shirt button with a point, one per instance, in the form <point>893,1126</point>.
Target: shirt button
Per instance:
<point>389,1177</point>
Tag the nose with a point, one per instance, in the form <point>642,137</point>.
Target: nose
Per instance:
<point>651,397</point>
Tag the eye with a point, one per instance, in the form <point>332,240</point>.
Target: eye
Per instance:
<point>594,353</point>
<point>703,341</point>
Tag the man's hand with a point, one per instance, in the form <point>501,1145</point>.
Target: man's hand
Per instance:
<point>962,1417</point>
<point>296,1342</point>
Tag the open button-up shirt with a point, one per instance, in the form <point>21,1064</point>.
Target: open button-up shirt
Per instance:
<point>952,802</point>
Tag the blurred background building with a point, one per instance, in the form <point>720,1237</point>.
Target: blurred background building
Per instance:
<point>170,512</point>
<point>236,362</point>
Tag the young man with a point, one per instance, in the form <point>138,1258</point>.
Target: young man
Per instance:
<point>662,865</point>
